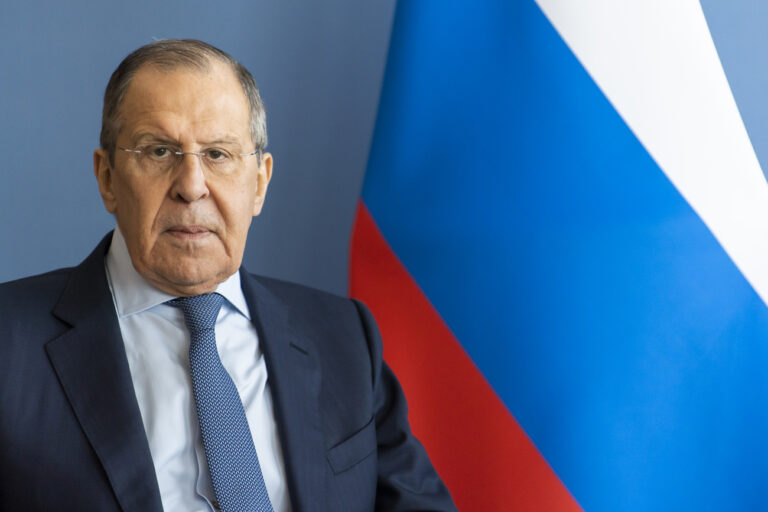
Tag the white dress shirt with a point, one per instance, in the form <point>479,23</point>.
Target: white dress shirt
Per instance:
<point>157,345</point>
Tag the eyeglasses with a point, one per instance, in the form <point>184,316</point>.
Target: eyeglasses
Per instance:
<point>161,158</point>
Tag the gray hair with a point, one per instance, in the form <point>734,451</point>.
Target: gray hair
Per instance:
<point>169,54</point>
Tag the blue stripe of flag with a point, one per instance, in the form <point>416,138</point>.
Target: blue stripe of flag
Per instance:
<point>591,296</point>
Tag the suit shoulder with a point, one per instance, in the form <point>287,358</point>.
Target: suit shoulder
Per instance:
<point>39,292</point>
<point>325,315</point>
<point>294,293</point>
<point>53,279</point>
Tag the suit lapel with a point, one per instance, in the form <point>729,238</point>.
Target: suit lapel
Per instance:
<point>294,380</point>
<point>92,368</point>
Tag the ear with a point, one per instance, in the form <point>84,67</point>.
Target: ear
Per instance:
<point>103,171</point>
<point>262,181</point>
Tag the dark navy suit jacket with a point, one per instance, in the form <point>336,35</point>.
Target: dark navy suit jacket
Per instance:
<point>71,434</point>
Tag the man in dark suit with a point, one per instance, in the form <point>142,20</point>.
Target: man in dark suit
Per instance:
<point>158,374</point>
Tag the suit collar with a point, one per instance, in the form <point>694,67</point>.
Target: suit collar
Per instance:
<point>294,378</point>
<point>90,362</point>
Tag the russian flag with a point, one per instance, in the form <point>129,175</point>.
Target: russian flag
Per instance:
<point>563,234</point>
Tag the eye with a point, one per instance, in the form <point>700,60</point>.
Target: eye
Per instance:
<point>216,155</point>
<point>158,151</point>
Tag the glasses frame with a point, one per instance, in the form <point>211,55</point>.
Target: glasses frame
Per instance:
<point>177,151</point>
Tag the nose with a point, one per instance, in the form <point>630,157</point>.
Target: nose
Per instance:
<point>189,179</point>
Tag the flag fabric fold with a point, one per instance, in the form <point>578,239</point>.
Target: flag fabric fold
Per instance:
<point>568,331</point>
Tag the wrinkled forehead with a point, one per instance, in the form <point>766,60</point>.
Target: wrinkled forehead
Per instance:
<point>186,102</point>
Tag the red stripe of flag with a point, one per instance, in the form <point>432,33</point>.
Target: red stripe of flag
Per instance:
<point>480,451</point>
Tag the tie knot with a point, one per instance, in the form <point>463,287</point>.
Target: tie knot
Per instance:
<point>200,311</point>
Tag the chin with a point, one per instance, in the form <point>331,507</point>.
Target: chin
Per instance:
<point>188,278</point>
<point>198,276</point>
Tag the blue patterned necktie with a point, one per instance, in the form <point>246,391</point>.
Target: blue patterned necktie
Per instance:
<point>232,460</point>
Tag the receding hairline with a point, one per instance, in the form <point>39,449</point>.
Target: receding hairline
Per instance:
<point>206,67</point>
<point>169,55</point>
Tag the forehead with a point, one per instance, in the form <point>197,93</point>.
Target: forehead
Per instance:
<point>186,103</point>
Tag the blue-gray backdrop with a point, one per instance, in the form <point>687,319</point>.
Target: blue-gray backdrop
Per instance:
<point>319,66</point>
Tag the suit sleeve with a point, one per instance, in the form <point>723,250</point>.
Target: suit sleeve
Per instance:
<point>406,478</point>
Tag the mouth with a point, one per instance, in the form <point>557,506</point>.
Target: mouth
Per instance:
<point>188,232</point>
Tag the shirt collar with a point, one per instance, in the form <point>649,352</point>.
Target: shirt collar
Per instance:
<point>133,294</point>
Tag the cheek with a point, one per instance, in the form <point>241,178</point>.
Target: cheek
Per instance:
<point>237,211</point>
<point>138,205</point>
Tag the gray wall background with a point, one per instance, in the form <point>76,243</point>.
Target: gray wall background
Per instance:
<point>738,30</point>
<point>319,66</point>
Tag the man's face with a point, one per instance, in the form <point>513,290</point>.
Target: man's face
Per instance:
<point>186,228</point>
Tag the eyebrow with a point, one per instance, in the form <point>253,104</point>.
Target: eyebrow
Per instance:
<point>224,140</point>
<point>141,136</point>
